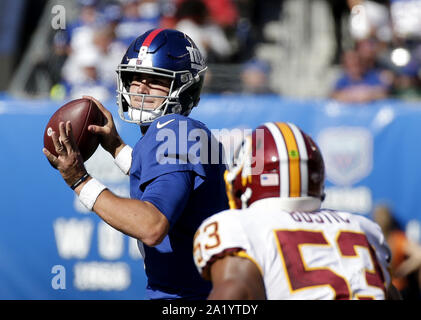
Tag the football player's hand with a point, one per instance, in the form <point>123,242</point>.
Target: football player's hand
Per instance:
<point>69,160</point>
<point>110,139</point>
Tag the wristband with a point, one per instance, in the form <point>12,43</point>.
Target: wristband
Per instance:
<point>124,159</point>
<point>90,192</point>
<point>83,178</point>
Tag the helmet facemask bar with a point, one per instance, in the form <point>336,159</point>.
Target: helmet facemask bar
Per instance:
<point>239,170</point>
<point>170,104</point>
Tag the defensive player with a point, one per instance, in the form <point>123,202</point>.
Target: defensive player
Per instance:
<point>176,170</point>
<point>278,243</point>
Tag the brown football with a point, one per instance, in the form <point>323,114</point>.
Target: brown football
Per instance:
<point>81,113</point>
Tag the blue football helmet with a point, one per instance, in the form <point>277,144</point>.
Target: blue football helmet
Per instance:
<point>162,53</point>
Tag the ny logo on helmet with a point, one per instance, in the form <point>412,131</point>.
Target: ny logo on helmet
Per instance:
<point>195,58</point>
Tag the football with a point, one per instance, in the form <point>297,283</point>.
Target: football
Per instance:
<point>81,113</point>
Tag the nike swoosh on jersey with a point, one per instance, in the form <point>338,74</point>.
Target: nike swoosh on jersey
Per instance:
<point>161,125</point>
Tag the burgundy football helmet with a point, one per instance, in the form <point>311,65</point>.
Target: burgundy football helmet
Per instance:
<point>277,160</point>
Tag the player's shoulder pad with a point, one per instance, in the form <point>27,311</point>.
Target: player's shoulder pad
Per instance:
<point>368,225</point>
<point>374,236</point>
<point>227,224</point>
<point>226,215</point>
<point>178,135</point>
<point>217,236</point>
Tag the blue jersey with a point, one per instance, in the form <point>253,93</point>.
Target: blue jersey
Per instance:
<point>178,167</point>
<point>370,78</point>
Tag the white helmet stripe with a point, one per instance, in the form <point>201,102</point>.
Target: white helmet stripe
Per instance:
<point>303,158</point>
<point>283,154</point>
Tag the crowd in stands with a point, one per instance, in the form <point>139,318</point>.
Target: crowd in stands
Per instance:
<point>89,49</point>
<point>384,60</point>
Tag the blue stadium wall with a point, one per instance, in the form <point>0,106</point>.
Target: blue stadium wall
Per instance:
<point>52,248</point>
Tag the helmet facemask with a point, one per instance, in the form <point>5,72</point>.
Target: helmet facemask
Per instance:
<point>237,174</point>
<point>166,53</point>
<point>181,81</point>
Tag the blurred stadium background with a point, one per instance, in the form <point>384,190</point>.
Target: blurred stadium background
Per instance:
<point>346,71</point>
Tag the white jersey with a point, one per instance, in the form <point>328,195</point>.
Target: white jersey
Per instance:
<point>324,254</point>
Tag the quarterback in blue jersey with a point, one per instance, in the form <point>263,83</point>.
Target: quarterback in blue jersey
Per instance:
<point>176,168</point>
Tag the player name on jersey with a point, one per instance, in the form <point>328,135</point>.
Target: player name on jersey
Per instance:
<point>324,216</point>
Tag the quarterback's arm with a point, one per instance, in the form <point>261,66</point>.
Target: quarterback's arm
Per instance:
<point>236,278</point>
<point>136,218</point>
<point>150,218</point>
